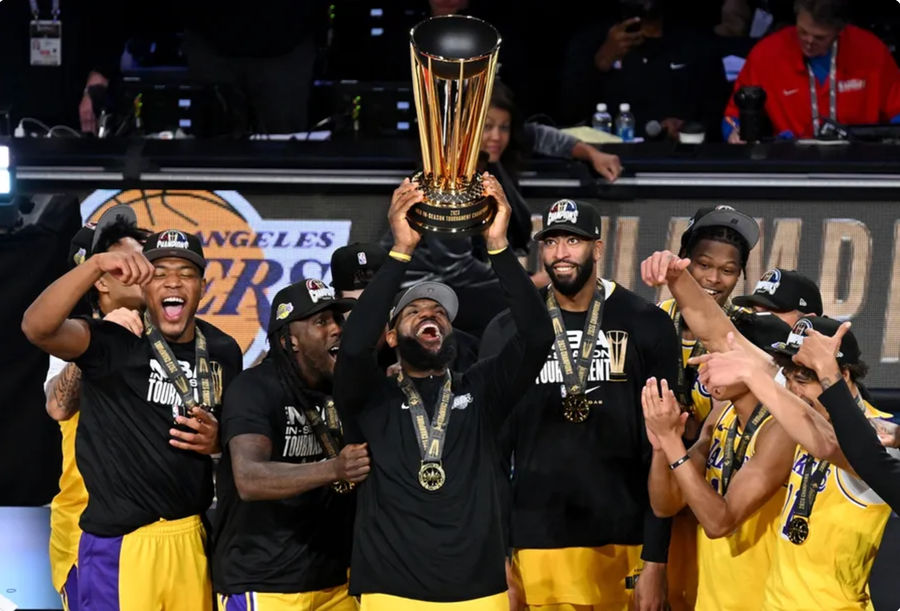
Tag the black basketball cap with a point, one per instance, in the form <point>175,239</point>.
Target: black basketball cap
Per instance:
<point>849,354</point>
<point>353,265</point>
<point>783,290</point>
<point>721,216</point>
<point>175,243</point>
<point>569,216</point>
<point>301,300</point>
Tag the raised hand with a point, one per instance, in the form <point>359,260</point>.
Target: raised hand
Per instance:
<point>662,414</point>
<point>495,233</point>
<point>719,369</point>
<point>662,267</point>
<point>126,267</point>
<point>819,352</point>
<point>405,196</point>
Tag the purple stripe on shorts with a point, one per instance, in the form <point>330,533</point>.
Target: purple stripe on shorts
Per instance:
<point>70,590</point>
<point>238,602</point>
<point>98,573</point>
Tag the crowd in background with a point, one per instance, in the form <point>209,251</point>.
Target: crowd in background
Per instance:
<point>285,69</point>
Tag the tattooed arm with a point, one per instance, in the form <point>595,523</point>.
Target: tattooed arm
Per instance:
<point>63,393</point>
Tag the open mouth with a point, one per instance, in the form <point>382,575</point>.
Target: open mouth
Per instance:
<point>428,331</point>
<point>713,292</point>
<point>564,268</point>
<point>172,308</point>
<point>333,351</point>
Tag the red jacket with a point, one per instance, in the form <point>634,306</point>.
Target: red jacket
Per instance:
<point>868,81</point>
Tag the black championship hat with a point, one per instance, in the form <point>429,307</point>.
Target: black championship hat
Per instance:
<point>85,240</point>
<point>175,243</point>
<point>352,266</point>
<point>569,216</point>
<point>436,291</point>
<point>762,329</point>
<point>721,216</point>
<point>849,352</point>
<point>784,290</point>
<point>301,300</point>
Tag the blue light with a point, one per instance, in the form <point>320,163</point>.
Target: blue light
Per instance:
<point>4,182</point>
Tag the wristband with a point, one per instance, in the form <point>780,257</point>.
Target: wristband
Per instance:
<point>679,462</point>
<point>400,256</point>
<point>498,251</point>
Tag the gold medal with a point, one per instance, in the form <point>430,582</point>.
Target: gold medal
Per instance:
<point>798,530</point>
<point>431,476</point>
<point>343,486</point>
<point>576,408</point>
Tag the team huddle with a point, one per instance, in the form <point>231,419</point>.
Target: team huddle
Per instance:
<point>596,451</point>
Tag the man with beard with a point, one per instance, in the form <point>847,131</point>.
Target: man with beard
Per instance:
<point>580,509</point>
<point>285,506</point>
<point>428,529</point>
<point>145,493</point>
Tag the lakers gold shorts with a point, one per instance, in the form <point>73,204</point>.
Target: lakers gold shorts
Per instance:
<point>161,565</point>
<point>386,602</point>
<point>331,599</point>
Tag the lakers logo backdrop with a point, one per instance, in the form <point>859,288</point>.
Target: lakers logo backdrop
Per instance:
<point>250,258</point>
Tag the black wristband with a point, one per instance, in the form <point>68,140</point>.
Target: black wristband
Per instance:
<point>680,462</point>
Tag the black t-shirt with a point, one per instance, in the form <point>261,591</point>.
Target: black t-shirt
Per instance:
<point>298,544</point>
<point>585,484</point>
<point>133,475</point>
<point>447,545</point>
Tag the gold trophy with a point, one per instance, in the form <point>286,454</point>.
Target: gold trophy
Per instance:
<point>454,59</point>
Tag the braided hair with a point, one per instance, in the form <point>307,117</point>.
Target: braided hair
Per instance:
<point>286,364</point>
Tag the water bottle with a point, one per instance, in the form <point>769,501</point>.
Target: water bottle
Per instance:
<point>625,123</point>
<point>602,120</point>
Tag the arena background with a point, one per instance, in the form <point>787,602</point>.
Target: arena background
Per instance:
<point>258,243</point>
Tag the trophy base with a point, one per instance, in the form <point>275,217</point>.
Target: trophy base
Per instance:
<point>464,212</point>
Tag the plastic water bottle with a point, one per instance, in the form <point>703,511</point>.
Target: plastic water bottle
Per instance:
<point>602,120</point>
<point>625,123</point>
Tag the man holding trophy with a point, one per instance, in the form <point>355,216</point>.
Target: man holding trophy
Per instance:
<point>428,527</point>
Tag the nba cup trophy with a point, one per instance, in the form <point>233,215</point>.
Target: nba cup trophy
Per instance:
<point>454,59</point>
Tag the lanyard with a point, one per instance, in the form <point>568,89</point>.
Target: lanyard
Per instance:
<point>832,90</point>
<point>575,374</point>
<point>735,458</point>
<point>430,435</point>
<point>36,11</point>
<point>683,386</point>
<point>163,353</point>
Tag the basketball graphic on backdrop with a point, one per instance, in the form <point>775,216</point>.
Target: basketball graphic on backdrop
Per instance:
<point>249,258</point>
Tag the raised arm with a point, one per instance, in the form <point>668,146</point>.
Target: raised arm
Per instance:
<point>513,370</point>
<point>357,368</point>
<point>666,498</point>
<point>751,486</point>
<point>858,440</point>
<point>46,323</point>
<point>802,422</point>
<point>703,315</point>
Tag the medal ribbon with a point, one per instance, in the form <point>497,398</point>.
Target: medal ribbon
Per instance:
<point>164,355</point>
<point>734,459</point>
<point>575,374</point>
<point>429,434</point>
<point>809,487</point>
<point>832,90</point>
